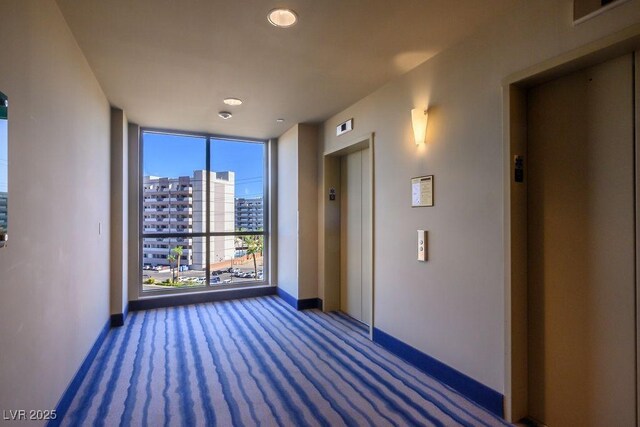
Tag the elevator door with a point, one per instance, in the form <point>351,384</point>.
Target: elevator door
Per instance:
<point>355,236</point>
<point>581,267</point>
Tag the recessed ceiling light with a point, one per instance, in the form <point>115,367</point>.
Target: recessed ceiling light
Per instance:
<point>225,115</point>
<point>280,120</point>
<point>283,18</point>
<point>233,101</point>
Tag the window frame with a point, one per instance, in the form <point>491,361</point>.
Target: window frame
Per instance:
<point>207,235</point>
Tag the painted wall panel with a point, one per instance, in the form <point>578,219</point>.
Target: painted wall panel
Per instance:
<point>119,263</point>
<point>308,208</point>
<point>54,275</point>
<point>288,212</point>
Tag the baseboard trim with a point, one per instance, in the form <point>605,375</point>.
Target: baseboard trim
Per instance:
<point>300,304</point>
<point>118,319</point>
<point>149,303</point>
<point>67,397</point>
<point>306,304</point>
<point>473,390</point>
<point>288,298</point>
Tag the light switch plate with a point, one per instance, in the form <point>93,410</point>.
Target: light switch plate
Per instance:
<point>422,245</point>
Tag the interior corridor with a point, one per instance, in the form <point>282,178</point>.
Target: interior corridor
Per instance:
<point>258,362</point>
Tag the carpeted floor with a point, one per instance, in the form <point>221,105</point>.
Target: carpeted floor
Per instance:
<point>258,362</point>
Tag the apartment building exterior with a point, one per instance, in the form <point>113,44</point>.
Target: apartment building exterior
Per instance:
<point>176,205</point>
<point>249,214</point>
<point>4,198</point>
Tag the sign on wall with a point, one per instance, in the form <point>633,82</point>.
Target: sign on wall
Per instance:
<point>422,191</point>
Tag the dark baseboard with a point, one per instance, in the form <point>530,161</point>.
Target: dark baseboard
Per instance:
<point>305,304</point>
<point>199,297</point>
<point>65,401</point>
<point>467,386</point>
<point>288,298</point>
<point>300,304</point>
<point>118,319</point>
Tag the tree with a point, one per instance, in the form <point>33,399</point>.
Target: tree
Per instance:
<point>174,256</point>
<point>171,258</point>
<point>177,253</point>
<point>254,246</point>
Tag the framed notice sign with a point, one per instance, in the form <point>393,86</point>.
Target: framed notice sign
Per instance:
<point>422,191</point>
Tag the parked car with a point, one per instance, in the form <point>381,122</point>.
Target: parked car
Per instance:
<point>214,280</point>
<point>226,281</point>
<point>183,268</point>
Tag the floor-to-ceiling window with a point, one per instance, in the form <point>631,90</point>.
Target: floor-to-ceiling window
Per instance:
<point>203,212</point>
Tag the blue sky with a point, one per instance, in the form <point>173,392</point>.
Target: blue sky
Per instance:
<point>172,156</point>
<point>3,156</point>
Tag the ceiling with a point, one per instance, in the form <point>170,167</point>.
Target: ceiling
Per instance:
<point>170,63</point>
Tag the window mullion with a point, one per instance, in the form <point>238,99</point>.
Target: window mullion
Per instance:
<point>208,211</point>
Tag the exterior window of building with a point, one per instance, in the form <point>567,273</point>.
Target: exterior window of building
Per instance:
<point>202,212</point>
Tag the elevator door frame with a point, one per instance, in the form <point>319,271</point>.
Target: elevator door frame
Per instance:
<point>330,226</point>
<point>515,88</point>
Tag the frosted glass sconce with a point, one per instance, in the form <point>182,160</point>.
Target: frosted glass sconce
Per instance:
<point>419,122</point>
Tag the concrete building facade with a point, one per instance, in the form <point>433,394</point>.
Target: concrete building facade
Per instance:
<point>4,198</point>
<point>177,205</point>
<point>249,214</point>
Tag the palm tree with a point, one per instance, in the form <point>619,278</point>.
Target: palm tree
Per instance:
<point>254,246</point>
<point>176,254</point>
<point>171,258</point>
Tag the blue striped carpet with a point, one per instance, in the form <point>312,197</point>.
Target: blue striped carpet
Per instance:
<point>257,362</point>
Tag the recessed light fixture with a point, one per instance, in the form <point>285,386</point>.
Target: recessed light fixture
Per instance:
<point>225,115</point>
<point>280,120</point>
<point>282,18</point>
<point>233,101</point>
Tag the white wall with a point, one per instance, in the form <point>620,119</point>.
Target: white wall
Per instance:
<point>308,207</point>
<point>54,274</point>
<point>287,256</point>
<point>452,307</point>
<point>134,273</point>
<point>119,212</point>
<point>297,231</point>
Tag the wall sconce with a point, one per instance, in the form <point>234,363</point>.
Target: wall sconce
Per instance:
<point>419,122</point>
